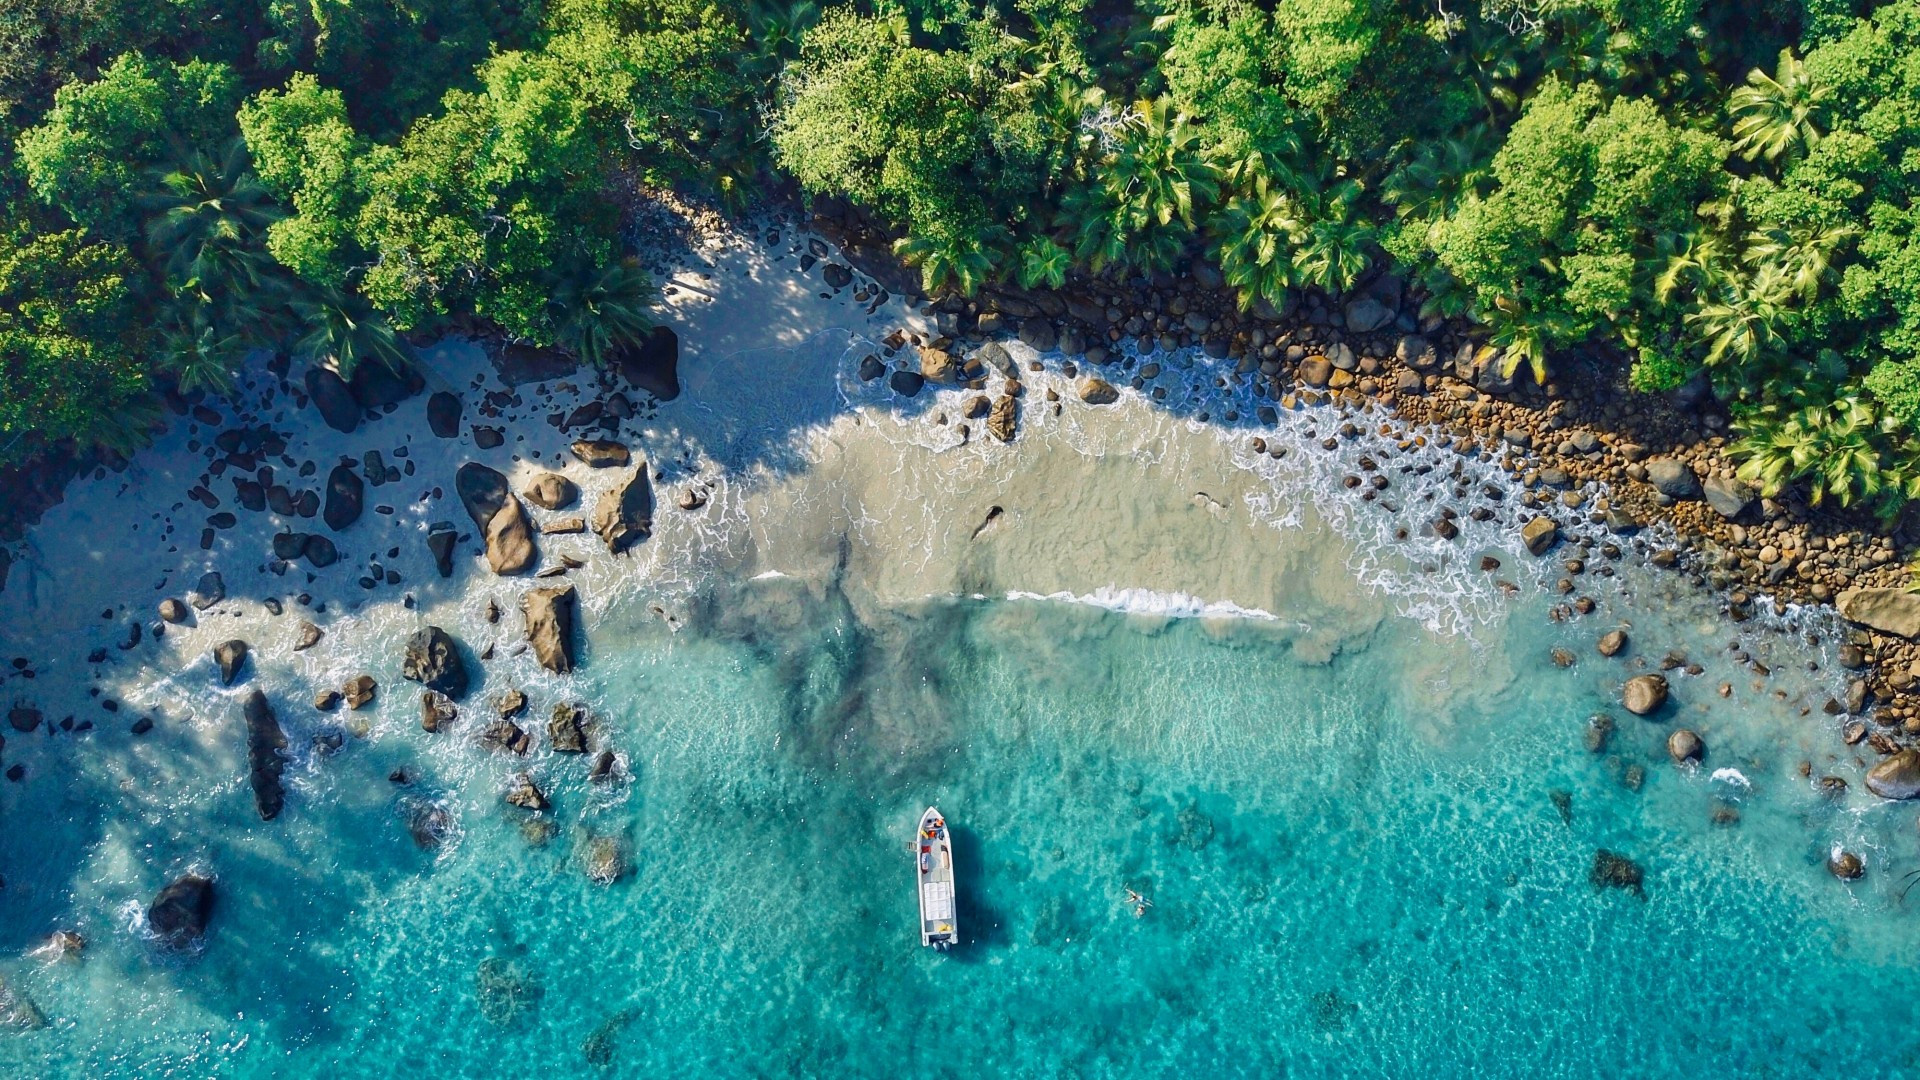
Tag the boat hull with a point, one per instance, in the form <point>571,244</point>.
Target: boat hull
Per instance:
<point>933,869</point>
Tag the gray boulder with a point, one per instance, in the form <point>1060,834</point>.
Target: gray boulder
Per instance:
<point>265,741</point>
<point>229,656</point>
<point>1673,478</point>
<point>443,415</point>
<point>433,660</point>
<point>1729,498</point>
<point>334,398</point>
<point>1365,314</point>
<point>178,916</point>
<point>346,497</point>
<point>492,506</point>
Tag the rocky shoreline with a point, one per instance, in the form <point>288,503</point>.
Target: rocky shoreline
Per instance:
<point>1583,452</point>
<point>1583,448</point>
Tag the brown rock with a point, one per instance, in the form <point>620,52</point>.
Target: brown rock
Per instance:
<point>1845,865</point>
<point>523,792</point>
<point>1644,694</point>
<point>1684,746</point>
<point>549,613</point>
<point>551,491</point>
<point>1096,391</point>
<point>1612,642</point>
<point>358,691</point>
<point>602,453</point>
<point>624,515</point>
<point>437,713</point>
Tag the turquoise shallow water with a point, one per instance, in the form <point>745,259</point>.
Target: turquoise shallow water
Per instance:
<point>1351,873</point>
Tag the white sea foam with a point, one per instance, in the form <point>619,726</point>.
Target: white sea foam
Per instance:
<point>1136,601</point>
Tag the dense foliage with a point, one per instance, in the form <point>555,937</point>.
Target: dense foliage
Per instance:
<point>1707,191</point>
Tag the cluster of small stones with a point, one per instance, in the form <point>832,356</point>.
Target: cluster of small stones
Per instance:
<point>1584,446</point>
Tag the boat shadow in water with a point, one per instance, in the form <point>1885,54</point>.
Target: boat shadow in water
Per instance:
<point>981,926</point>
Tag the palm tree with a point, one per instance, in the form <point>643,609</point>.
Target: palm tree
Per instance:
<point>1801,255</point>
<point>1692,260</point>
<point>597,311</point>
<point>1777,115</point>
<point>343,328</point>
<point>1256,233</point>
<point>1525,336</point>
<point>1155,183</point>
<point>1832,442</point>
<point>1441,176</point>
<point>1335,249</point>
<point>199,355</point>
<point>207,222</point>
<point>963,258</point>
<point>1743,322</point>
<point>1043,260</point>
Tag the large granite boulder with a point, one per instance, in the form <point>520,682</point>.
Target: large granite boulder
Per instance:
<point>549,613</point>
<point>655,365</point>
<point>265,741</point>
<point>1365,314</point>
<point>443,415</point>
<point>346,497</point>
<point>1729,498</point>
<point>1893,611</point>
<point>228,656</point>
<point>551,491</point>
<point>1673,478</point>
<point>1897,776</point>
<point>441,537</point>
<point>624,515</point>
<point>1095,391</point>
<point>501,518</point>
<point>178,916</point>
<point>602,453</point>
<point>1644,694</point>
<point>1004,419</point>
<point>433,660</point>
<point>1539,535</point>
<point>375,385</point>
<point>334,398</point>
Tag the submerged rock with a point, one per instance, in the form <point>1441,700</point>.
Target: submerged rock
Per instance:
<point>605,859</point>
<point>1615,871</point>
<point>429,823</point>
<point>507,735</point>
<point>17,1010</point>
<point>265,741</point>
<point>178,916</point>
<point>549,613</point>
<point>624,515</point>
<point>433,660</point>
<point>505,990</point>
